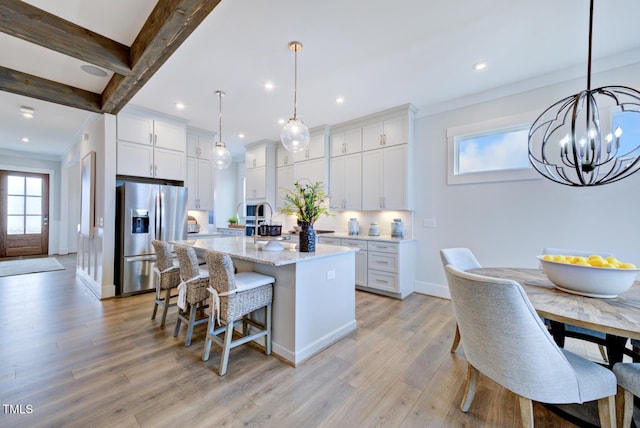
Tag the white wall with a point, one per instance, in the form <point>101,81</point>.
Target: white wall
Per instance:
<point>508,223</point>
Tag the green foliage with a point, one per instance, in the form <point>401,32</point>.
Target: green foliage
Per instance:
<point>306,202</point>
<point>233,220</point>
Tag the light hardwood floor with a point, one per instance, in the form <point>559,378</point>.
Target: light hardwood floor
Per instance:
<point>80,362</point>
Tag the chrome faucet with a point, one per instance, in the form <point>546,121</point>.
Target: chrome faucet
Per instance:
<point>256,225</point>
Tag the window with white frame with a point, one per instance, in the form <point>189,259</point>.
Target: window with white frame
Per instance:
<point>494,150</point>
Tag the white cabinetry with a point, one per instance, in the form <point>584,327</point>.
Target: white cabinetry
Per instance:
<point>385,133</point>
<point>260,173</point>
<point>150,146</point>
<point>310,164</point>
<point>391,267</point>
<point>200,144</point>
<point>284,182</point>
<point>386,184</point>
<point>384,144</point>
<point>381,267</point>
<point>346,182</point>
<point>200,171</point>
<point>344,142</point>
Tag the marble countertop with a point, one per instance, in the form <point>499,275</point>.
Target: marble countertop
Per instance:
<point>243,248</point>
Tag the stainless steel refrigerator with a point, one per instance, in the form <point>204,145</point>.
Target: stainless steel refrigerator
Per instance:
<point>145,212</point>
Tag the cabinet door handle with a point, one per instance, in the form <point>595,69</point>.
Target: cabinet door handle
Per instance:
<point>344,147</point>
<point>151,170</point>
<point>150,138</point>
<point>155,169</point>
<point>383,139</point>
<point>155,139</point>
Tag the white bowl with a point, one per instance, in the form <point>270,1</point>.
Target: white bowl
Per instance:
<point>589,280</point>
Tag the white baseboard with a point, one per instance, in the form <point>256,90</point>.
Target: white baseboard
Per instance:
<point>432,289</point>
<point>296,358</point>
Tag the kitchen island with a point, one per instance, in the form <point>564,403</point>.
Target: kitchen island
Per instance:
<point>313,296</point>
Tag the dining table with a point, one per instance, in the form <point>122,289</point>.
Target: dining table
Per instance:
<point>617,317</point>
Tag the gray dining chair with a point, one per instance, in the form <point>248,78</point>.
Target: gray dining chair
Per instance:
<point>167,279</point>
<point>463,259</point>
<point>561,331</point>
<point>192,292</point>
<point>628,376</point>
<point>234,296</point>
<point>505,340</point>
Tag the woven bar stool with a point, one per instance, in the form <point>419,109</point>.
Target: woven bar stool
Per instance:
<point>167,279</point>
<point>233,298</point>
<point>192,291</point>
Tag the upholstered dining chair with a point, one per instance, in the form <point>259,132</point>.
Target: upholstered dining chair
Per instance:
<point>167,279</point>
<point>192,291</point>
<point>463,259</point>
<point>628,376</point>
<point>561,331</point>
<point>504,339</point>
<point>234,296</point>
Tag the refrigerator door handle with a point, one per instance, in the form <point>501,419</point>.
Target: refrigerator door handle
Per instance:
<point>150,258</point>
<point>159,215</point>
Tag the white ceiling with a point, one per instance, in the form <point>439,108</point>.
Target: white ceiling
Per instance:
<point>376,54</point>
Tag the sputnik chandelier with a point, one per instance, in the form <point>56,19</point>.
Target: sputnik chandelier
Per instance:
<point>569,142</point>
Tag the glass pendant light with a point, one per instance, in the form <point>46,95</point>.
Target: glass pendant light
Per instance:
<point>570,143</point>
<point>295,134</point>
<point>221,155</point>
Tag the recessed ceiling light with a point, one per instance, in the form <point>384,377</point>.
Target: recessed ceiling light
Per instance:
<point>94,71</point>
<point>281,121</point>
<point>480,65</point>
<point>241,135</point>
<point>180,106</point>
<point>340,100</point>
<point>25,140</point>
<point>27,112</point>
<point>268,86</point>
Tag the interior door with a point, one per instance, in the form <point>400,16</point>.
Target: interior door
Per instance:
<point>24,222</point>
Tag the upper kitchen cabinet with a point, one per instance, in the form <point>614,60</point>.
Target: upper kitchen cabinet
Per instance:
<point>150,145</point>
<point>200,177</point>
<point>260,172</point>
<point>200,143</point>
<point>386,179</point>
<point>346,141</point>
<point>385,133</point>
<point>317,145</point>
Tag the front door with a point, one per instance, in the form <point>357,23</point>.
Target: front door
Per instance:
<point>24,208</point>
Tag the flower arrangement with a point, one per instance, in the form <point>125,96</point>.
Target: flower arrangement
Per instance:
<point>306,202</point>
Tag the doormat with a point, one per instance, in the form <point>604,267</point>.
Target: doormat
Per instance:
<point>22,266</point>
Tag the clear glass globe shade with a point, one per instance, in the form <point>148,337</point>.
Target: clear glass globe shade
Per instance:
<point>221,156</point>
<point>295,136</point>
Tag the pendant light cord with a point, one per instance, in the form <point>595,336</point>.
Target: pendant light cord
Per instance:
<point>295,81</point>
<point>220,118</point>
<point>590,44</point>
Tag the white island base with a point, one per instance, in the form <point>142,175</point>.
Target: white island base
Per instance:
<point>313,304</point>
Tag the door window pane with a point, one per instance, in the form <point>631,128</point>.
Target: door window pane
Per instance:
<point>34,186</point>
<point>34,205</point>
<point>15,205</point>
<point>15,185</point>
<point>34,225</point>
<point>15,225</point>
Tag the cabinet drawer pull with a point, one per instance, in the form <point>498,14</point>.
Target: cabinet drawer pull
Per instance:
<point>382,262</point>
<point>382,281</point>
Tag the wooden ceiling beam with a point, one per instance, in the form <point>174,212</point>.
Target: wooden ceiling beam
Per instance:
<point>36,87</point>
<point>21,20</point>
<point>168,25</point>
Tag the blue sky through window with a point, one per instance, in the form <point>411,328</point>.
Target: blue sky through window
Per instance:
<point>500,151</point>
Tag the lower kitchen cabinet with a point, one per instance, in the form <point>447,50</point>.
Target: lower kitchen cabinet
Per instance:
<point>382,267</point>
